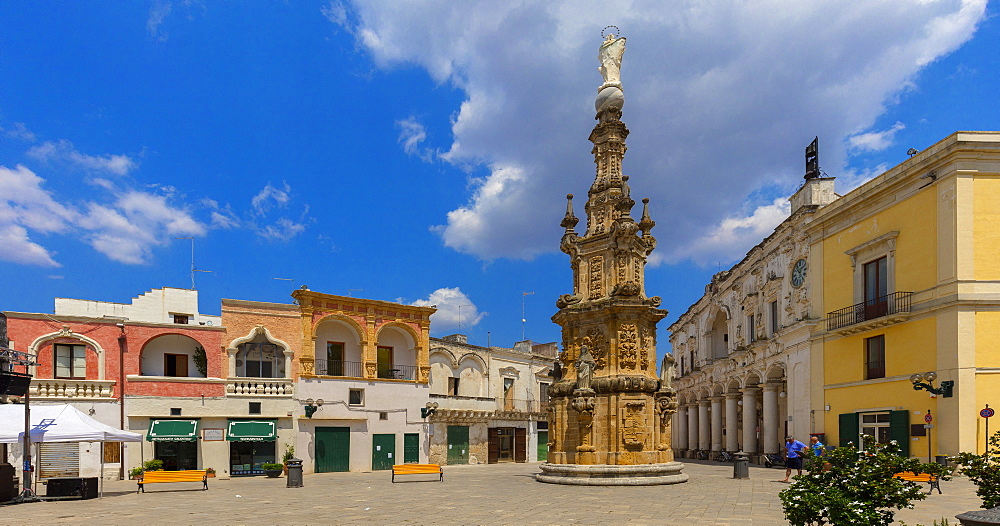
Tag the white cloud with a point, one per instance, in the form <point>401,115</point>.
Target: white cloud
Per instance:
<point>733,237</point>
<point>125,228</point>
<point>271,199</point>
<point>158,12</point>
<point>20,132</point>
<point>283,229</point>
<point>454,310</point>
<point>269,196</point>
<point>875,141</point>
<point>718,103</point>
<point>412,135</point>
<point>63,151</point>
<point>336,12</point>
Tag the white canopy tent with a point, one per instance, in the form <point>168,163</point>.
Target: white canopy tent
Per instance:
<point>59,423</point>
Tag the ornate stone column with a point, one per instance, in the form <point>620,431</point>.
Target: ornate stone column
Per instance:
<point>232,361</point>
<point>717,415</point>
<point>769,431</point>
<point>681,431</point>
<point>750,419</point>
<point>732,422</point>
<point>289,354</point>
<point>692,411</point>
<point>704,426</point>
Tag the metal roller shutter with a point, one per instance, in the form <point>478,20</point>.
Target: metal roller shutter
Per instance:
<point>58,459</point>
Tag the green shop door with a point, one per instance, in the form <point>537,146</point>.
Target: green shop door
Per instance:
<point>458,444</point>
<point>411,448</point>
<point>383,451</point>
<point>543,446</point>
<point>333,449</point>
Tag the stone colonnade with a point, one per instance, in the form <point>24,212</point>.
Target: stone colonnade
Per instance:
<point>747,419</point>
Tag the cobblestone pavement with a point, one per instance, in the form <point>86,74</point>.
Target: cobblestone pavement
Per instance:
<point>484,494</point>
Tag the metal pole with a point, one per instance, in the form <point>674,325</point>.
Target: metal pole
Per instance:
<point>26,493</point>
<point>121,402</point>
<point>987,432</point>
<point>929,459</point>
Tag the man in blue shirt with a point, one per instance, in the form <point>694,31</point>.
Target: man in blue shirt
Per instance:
<point>816,445</point>
<point>793,456</point>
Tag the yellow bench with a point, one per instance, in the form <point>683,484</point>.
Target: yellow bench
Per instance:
<point>933,480</point>
<point>417,469</point>
<point>156,477</point>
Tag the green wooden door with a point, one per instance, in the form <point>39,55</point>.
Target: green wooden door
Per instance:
<point>458,444</point>
<point>411,448</point>
<point>333,449</point>
<point>383,451</point>
<point>543,446</point>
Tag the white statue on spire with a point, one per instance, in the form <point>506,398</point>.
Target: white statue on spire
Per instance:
<point>610,57</point>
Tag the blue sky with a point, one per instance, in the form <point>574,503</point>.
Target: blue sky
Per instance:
<point>421,151</point>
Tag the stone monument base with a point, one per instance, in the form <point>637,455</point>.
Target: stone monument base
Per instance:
<point>611,475</point>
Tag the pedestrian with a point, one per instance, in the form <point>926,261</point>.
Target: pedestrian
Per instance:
<point>793,456</point>
<point>816,445</point>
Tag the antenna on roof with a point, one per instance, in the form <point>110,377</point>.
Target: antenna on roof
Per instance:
<point>193,269</point>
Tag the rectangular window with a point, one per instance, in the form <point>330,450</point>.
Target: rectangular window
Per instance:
<point>876,288</point>
<point>774,317</point>
<point>175,411</point>
<point>182,319</point>
<point>383,415</point>
<point>356,397</point>
<point>875,357</point>
<point>543,392</point>
<point>71,361</point>
<point>453,386</point>
<point>175,364</point>
<point>254,408</point>
<point>751,335</point>
<point>335,358</point>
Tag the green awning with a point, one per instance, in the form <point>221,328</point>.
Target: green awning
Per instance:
<point>252,431</point>
<point>173,431</point>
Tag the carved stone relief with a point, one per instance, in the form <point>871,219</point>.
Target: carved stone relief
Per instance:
<point>596,277</point>
<point>628,345</point>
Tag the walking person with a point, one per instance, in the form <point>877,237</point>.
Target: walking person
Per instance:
<point>816,445</point>
<point>793,456</point>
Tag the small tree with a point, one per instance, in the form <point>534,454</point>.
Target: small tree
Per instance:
<point>847,486</point>
<point>201,360</point>
<point>984,471</point>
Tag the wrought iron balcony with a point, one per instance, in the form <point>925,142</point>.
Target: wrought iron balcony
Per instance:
<point>339,368</point>
<point>862,316</point>
<point>397,372</point>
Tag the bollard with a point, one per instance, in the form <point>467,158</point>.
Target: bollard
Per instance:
<point>741,465</point>
<point>294,473</point>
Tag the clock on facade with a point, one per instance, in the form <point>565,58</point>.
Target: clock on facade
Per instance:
<point>799,273</point>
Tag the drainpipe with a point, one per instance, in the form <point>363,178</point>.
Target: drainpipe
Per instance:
<point>121,399</point>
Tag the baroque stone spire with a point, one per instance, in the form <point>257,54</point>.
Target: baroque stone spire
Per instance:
<point>610,412</point>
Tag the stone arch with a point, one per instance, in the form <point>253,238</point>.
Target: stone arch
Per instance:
<point>347,320</point>
<point>66,332</point>
<point>146,349</point>
<point>233,350</point>
<point>473,375</point>
<point>443,366</point>
<point>717,334</point>
<point>449,356</point>
<point>400,325</point>
<point>476,358</point>
<point>775,371</point>
<point>752,379</point>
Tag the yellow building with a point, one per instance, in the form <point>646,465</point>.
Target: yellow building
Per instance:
<point>905,273</point>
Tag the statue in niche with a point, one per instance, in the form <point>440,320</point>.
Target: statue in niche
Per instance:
<point>667,371</point>
<point>610,57</point>
<point>584,368</point>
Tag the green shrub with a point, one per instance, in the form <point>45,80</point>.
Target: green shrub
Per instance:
<point>984,471</point>
<point>847,486</point>
<point>270,466</point>
<point>152,465</point>
<point>289,453</point>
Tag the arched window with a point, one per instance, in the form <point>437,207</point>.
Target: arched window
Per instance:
<point>260,359</point>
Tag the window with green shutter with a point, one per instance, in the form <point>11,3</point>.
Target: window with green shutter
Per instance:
<point>849,429</point>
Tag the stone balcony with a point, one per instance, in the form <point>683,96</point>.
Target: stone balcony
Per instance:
<point>258,387</point>
<point>62,389</point>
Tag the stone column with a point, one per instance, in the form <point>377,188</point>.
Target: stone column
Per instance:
<point>750,419</point>
<point>232,362</point>
<point>704,426</point>
<point>681,431</point>
<point>692,426</point>
<point>769,431</point>
<point>732,423</point>
<point>717,423</point>
<point>289,354</point>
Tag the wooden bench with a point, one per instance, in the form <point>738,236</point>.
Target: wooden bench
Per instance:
<point>156,477</point>
<point>417,469</point>
<point>933,480</point>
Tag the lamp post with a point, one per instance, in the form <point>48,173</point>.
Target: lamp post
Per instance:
<point>312,406</point>
<point>925,381</point>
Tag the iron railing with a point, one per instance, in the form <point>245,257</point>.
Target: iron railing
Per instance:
<point>397,372</point>
<point>895,303</point>
<point>339,368</point>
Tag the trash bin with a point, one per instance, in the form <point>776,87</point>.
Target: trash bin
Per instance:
<point>741,465</point>
<point>941,459</point>
<point>294,473</point>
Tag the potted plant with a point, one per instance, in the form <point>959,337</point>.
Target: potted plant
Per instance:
<point>135,473</point>
<point>152,465</point>
<point>272,469</point>
<point>288,455</point>
<point>210,472</point>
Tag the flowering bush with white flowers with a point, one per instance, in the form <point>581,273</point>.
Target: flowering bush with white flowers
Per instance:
<point>847,486</point>
<point>984,471</point>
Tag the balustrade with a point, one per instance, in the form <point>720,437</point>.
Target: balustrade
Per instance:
<point>71,389</point>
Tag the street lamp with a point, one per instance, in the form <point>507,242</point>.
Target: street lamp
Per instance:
<point>312,407</point>
<point>925,381</point>
<point>429,409</point>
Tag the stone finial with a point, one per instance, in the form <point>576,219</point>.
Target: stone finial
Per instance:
<point>646,224</point>
<point>570,221</point>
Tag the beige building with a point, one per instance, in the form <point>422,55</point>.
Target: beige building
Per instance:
<point>491,402</point>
